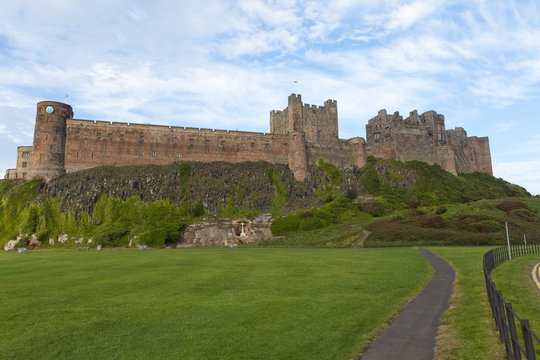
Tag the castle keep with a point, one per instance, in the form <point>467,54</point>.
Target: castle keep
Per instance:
<point>299,136</point>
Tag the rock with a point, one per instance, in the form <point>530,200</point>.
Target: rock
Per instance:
<point>33,242</point>
<point>62,238</point>
<point>79,241</point>
<point>51,241</point>
<point>225,232</point>
<point>22,250</point>
<point>20,236</point>
<point>11,244</point>
<point>89,241</point>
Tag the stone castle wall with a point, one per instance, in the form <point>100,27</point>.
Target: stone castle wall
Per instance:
<point>90,144</point>
<point>300,135</point>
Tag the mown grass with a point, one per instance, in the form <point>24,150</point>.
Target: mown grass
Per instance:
<point>514,280</point>
<point>468,329</point>
<point>203,303</point>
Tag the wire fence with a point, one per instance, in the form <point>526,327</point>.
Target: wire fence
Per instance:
<point>520,346</point>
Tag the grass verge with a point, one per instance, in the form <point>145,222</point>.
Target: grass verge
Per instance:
<point>467,327</point>
<point>514,280</point>
<point>204,303</point>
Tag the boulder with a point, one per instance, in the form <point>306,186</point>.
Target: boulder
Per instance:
<point>62,238</point>
<point>11,244</point>
<point>33,242</point>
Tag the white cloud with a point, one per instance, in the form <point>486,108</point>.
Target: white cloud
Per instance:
<point>409,14</point>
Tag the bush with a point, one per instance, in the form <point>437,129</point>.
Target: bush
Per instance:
<point>524,214</point>
<point>487,226</point>
<point>441,210</point>
<point>509,205</point>
<point>434,221</point>
<point>414,202</point>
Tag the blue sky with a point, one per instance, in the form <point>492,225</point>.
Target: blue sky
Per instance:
<point>225,65</point>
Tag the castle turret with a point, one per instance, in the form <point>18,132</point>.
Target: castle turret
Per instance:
<point>295,113</point>
<point>49,140</point>
<point>297,156</point>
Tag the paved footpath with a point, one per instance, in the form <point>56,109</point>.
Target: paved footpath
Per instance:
<point>411,336</point>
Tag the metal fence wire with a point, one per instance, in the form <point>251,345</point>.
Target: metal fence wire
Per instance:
<point>518,346</point>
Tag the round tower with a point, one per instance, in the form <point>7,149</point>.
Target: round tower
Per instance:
<point>48,153</point>
<point>297,155</point>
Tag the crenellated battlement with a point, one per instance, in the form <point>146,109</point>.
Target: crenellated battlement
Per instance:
<point>299,135</point>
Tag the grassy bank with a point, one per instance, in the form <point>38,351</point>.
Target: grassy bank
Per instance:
<point>514,280</point>
<point>467,327</point>
<point>204,303</point>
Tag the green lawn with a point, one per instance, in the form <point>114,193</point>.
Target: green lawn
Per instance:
<point>514,280</point>
<point>203,303</point>
<point>468,327</point>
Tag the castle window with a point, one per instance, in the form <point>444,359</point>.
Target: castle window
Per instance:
<point>121,137</point>
<point>24,164</point>
<point>85,143</point>
<point>266,146</point>
<point>207,143</point>
<point>76,134</point>
<point>141,154</point>
<point>141,139</point>
<point>439,137</point>
<point>177,155</point>
<point>222,144</point>
<point>25,154</point>
<point>99,136</point>
<point>175,141</point>
<point>153,154</point>
<point>77,154</point>
<point>252,146</point>
<point>319,135</point>
<point>110,136</point>
<point>190,141</point>
<point>376,136</point>
<point>23,175</point>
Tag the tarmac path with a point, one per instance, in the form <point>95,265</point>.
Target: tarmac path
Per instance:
<point>411,336</point>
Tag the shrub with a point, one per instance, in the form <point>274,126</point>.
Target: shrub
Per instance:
<point>414,212</point>
<point>198,209</point>
<point>441,210</point>
<point>509,205</point>
<point>434,221</point>
<point>524,214</point>
<point>414,202</point>
<point>487,226</point>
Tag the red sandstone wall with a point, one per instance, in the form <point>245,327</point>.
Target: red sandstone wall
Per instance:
<point>344,154</point>
<point>478,154</point>
<point>379,152</point>
<point>90,144</point>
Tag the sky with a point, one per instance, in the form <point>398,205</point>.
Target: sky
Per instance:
<point>226,64</point>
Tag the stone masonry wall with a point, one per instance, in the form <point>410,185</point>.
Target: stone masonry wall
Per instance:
<point>300,135</point>
<point>91,144</point>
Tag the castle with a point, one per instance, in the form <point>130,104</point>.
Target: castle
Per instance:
<point>299,136</point>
